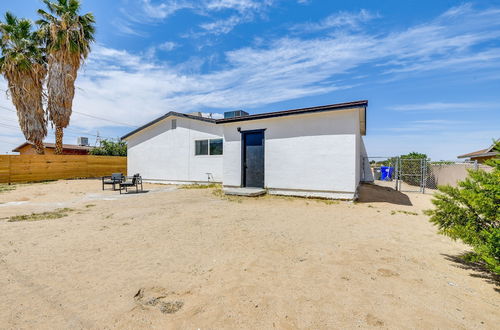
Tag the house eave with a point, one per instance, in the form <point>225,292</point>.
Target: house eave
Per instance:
<point>486,154</point>
<point>165,116</point>
<point>324,108</point>
<point>331,107</point>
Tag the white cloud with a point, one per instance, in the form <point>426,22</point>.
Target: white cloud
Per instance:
<point>234,12</point>
<point>118,84</point>
<point>167,46</point>
<point>165,8</point>
<point>125,27</point>
<point>338,20</point>
<point>246,11</point>
<point>238,5</point>
<point>445,106</point>
<point>222,26</point>
<point>284,69</point>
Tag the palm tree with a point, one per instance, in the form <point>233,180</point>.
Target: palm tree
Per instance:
<point>23,66</point>
<point>68,37</point>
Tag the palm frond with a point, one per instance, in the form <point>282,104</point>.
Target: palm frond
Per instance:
<point>67,37</point>
<point>23,67</point>
<point>10,19</point>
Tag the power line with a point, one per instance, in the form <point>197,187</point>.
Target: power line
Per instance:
<point>105,119</point>
<point>1,106</point>
<point>87,115</point>
<point>69,130</point>
<point>10,143</point>
<point>10,127</point>
<point>76,131</point>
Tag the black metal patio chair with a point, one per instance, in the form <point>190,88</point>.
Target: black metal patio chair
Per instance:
<point>135,181</point>
<point>114,179</point>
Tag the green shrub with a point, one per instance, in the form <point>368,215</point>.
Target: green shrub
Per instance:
<point>411,167</point>
<point>110,148</point>
<point>470,212</point>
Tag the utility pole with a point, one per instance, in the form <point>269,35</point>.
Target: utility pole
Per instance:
<point>98,140</point>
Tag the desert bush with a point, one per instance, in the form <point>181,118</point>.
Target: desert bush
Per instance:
<point>110,148</point>
<point>470,212</point>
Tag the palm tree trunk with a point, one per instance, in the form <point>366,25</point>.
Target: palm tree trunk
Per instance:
<point>59,141</point>
<point>40,150</point>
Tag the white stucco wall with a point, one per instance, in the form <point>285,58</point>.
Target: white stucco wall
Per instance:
<point>366,172</point>
<point>311,155</point>
<point>358,153</point>
<point>162,154</point>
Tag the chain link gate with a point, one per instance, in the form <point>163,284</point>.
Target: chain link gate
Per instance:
<point>411,175</point>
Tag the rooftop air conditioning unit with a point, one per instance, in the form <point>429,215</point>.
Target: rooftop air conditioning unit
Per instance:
<point>233,114</point>
<point>83,141</point>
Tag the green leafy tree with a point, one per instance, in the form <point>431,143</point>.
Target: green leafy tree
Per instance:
<point>110,148</point>
<point>471,213</point>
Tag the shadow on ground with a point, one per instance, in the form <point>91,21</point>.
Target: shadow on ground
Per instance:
<point>480,270</point>
<point>372,193</point>
<point>133,192</point>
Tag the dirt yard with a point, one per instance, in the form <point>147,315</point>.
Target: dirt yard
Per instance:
<point>191,259</point>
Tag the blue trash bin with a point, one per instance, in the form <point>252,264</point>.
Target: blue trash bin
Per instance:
<point>386,173</point>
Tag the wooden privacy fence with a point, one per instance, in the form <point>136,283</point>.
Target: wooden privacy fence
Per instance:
<point>32,168</point>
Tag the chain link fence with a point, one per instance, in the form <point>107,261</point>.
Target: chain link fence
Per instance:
<point>449,173</point>
<point>416,175</point>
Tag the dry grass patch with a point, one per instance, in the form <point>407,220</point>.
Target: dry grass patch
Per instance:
<point>299,198</point>
<point>404,212</point>
<point>56,214</point>
<point>219,192</point>
<point>7,187</point>
<point>201,186</point>
<point>157,297</point>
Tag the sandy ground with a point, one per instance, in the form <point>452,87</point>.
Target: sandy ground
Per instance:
<point>187,259</point>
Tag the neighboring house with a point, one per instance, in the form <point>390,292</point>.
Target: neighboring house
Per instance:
<point>304,152</point>
<point>68,149</point>
<point>481,155</point>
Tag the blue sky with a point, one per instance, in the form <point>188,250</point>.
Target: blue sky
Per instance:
<point>429,69</point>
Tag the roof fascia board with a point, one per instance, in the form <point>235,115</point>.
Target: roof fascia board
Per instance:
<point>164,117</point>
<point>333,107</point>
<point>275,114</point>
<point>485,154</point>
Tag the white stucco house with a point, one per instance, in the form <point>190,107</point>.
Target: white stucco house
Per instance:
<point>314,152</point>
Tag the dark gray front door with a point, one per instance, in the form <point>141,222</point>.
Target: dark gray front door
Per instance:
<point>253,159</point>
